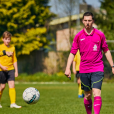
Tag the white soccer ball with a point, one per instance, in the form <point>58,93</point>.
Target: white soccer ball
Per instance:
<point>31,95</point>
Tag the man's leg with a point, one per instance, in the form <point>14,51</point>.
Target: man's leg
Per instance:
<point>97,100</point>
<point>88,101</point>
<point>86,86</point>
<point>97,78</point>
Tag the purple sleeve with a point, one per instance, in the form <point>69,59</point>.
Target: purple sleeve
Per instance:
<point>104,44</point>
<point>75,45</point>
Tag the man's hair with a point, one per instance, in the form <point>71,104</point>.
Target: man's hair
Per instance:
<point>88,14</point>
<point>7,34</point>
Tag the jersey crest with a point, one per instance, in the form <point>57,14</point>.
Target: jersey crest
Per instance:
<point>95,47</point>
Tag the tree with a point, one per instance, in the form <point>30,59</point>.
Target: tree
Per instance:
<point>104,19</point>
<point>26,20</point>
<point>105,22</point>
<point>66,8</point>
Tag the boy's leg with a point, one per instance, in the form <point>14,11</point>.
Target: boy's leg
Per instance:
<point>80,91</point>
<point>12,92</point>
<point>97,79</point>
<point>2,87</point>
<point>3,80</point>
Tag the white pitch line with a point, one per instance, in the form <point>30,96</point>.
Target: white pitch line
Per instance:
<point>43,82</point>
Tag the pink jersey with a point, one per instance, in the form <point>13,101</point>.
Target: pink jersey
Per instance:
<point>90,47</point>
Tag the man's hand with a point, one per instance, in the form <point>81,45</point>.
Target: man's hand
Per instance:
<point>69,62</point>
<point>9,54</point>
<point>68,73</point>
<point>4,68</point>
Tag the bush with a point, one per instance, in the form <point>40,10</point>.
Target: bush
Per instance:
<point>43,77</point>
<point>57,77</point>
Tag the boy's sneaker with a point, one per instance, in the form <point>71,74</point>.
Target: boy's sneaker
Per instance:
<point>0,106</point>
<point>81,96</point>
<point>15,106</point>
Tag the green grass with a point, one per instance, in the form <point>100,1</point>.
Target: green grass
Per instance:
<point>56,99</point>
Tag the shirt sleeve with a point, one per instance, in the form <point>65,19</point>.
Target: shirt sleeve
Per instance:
<point>14,56</point>
<point>1,53</point>
<point>104,44</point>
<point>75,45</point>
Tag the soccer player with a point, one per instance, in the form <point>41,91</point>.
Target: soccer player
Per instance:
<point>8,75</point>
<point>76,65</point>
<point>90,43</point>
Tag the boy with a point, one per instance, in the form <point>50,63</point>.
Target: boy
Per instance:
<point>76,67</point>
<point>8,70</point>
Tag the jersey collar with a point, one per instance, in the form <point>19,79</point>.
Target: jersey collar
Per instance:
<point>89,34</point>
<point>6,46</point>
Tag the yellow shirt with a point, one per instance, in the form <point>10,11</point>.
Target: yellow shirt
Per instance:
<point>1,53</point>
<point>5,60</point>
<point>77,59</point>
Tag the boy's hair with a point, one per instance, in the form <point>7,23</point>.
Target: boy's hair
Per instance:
<point>7,34</point>
<point>88,14</point>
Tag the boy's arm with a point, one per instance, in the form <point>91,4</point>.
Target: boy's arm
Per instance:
<point>2,53</point>
<point>4,68</point>
<point>9,54</point>
<point>109,58</point>
<point>16,69</point>
<point>5,53</point>
<point>15,63</point>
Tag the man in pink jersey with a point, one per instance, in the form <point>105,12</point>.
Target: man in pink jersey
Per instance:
<point>91,42</point>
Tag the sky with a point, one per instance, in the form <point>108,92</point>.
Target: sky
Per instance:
<point>94,3</point>
<point>54,9</point>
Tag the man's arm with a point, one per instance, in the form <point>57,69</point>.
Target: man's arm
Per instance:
<point>69,62</point>
<point>74,67</point>
<point>109,58</point>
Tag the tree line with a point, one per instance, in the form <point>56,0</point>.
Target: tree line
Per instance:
<point>26,20</point>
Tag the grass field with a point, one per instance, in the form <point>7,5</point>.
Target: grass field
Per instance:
<point>56,99</point>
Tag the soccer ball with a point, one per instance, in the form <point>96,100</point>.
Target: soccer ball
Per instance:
<point>31,95</point>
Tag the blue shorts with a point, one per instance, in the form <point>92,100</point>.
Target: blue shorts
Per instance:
<point>91,80</point>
